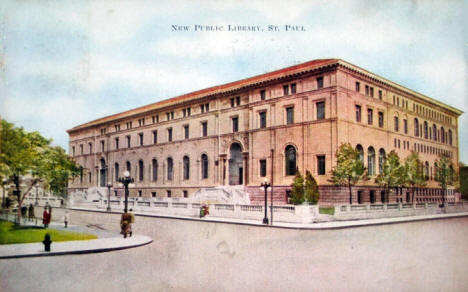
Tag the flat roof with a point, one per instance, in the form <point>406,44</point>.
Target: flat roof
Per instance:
<point>251,81</point>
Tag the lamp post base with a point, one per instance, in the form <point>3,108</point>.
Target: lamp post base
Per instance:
<point>265,220</point>
<point>108,209</point>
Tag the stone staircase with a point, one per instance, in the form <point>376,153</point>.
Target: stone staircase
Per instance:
<point>222,195</point>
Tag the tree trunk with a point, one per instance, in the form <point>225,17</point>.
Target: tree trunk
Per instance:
<point>21,199</point>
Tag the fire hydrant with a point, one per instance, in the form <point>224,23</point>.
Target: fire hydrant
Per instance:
<point>47,242</point>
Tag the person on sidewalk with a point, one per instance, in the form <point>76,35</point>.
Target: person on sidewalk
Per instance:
<point>66,217</point>
<point>46,217</point>
<point>125,224</point>
<point>24,209</point>
<point>31,212</point>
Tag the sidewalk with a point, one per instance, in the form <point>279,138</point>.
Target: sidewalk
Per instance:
<point>106,241</point>
<point>306,226</point>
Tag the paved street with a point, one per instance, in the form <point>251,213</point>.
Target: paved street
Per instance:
<point>200,256</point>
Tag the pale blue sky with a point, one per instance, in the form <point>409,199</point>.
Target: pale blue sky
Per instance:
<point>69,62</point>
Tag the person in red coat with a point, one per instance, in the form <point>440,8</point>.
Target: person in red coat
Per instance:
<point>46,217</point>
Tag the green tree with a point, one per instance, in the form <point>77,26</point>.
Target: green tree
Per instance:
<point>311,192</point>
<point>393,174</point>
<point>446,175</point>
<point>415,177</point>
<point>297,191</point>
<point>349,169</point>
<point>30,154</point>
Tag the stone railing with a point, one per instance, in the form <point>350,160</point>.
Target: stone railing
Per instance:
<point>371,211</point>
<point>181,207</point>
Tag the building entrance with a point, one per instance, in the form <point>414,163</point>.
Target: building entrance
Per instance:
<point>236,170</point>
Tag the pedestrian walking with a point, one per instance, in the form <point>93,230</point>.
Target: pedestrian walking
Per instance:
<point>66,217</point>
<point>125,224</point>
<point>46,217</point>
<point>31,212</point>
<point>24,209</point>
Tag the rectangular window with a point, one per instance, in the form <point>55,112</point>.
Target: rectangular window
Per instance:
<point>358,113</point>
<point>186,131</point>
<point>189,111</point>
<point>321,165</point>
<point>371,91</point>
<point>370,116</point>
<point>153,194</point>
<point>238,101</point>
<point>117,127</point>
<point>169,134</point>
<point>397,124</point>
<point>207,107</point>
<point>202,108</point>
<point>184,112</point>
<point>319,82</point>
<point>285,89</point>
<point>117,143</point>
<point>128,141</point>
<point>155,137</point>
<point>140,193</point>
<point>263,168</point>
<point>320,110</point>
<point>367,90</point>
<point>405,126</point>
<point>293,88</point>
<point>235,124</point>
<point>73,150</point>
<point>140,136</point>
<point>381,119</point>
<point>91,147</point>
<point>262,117</point>
<point>155,119</point>
<point>358,86</point>
<point>290,115</point>
<point>102,147</point>
<point>204,129</point>
<point>232,102</point>
<point>81,148</point>
<point>185,194</point>
<point>380,94</point>
<point>169,193</point>
<point>172,115</point>
<point>262,94</point>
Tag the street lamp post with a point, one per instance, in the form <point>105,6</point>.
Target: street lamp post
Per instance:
<point>37,197</point>
<point>126,180</point>
<point>109,186</point>
<point>265,185</point>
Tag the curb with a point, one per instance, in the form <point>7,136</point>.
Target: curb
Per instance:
<point>299,226</point>
<point>146,240</point>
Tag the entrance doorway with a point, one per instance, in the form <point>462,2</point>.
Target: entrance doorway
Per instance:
<point>236,170</point>
<point>103,173</point>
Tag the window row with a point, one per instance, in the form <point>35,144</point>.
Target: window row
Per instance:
<point>169,167</point>
<point>431,150</point>
<point>368,90</point>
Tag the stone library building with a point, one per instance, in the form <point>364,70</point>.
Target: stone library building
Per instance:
<point>238,134</point>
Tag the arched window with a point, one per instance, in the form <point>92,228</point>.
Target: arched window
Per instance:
<point>450,136</point>
<point>170,168</point>
<point>416,127</point>
<point>442,134</point>
<point>186,162</point>
<point>116,169</point>
<point>128,166</point>
<point>426,130</point>
<point>434,132</point>
<point>371,160</point>
<point>436,169</point>
<point>140,170</point>
<point>290,155</point>
<point>381,159</point>
<point>154,166</point>
<point>361,152</point>
<point>426,170</point>
<point>204,165</point>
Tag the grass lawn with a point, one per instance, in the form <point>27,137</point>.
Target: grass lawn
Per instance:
<point>329,211</point>
<point>9,234</point>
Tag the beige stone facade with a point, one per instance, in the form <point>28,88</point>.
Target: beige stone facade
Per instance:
<point>263,127</point>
